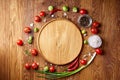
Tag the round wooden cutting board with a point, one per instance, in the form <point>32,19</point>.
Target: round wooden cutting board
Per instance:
<point>60,41</point>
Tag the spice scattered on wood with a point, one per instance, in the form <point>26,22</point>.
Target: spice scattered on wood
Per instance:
<point>52,15</point>
<point>27,52</point>
<point>54,11</point>
<point>31,24</point>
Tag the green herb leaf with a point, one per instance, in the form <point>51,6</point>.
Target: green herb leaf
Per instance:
<point>27,52</point>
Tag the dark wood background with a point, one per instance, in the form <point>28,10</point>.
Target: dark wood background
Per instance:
<point>15,14</point>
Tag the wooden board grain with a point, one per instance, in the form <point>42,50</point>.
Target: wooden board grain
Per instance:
<point>16,14</point>
<point>60,41</point>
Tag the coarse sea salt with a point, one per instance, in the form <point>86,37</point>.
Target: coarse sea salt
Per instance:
<point>52,15</point>
<point>95,41</point>
<point>45,20</point>
<point>31,24</point>
<point>85,34</point>
<point>65,14</point>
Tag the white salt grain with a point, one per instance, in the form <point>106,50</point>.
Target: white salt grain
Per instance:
<point>50,64</point>
<point>52,15</point>
<point>84,35</point>
<point>65,14</point>
<point>84,56</point>
<point>45,20</point>
<point>89,54</point>
<point>31,24</point>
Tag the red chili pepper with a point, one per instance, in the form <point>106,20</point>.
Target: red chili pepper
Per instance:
<point>73,63</point>
<point>75,67</point>
<point>54,11</point>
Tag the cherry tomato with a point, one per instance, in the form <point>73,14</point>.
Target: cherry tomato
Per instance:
<point>27,66</point>
<point>95,24</point>
<point>83,11</point>
<point>83,62</point>
<point>34,52</point>
<point>42,13</point>
<point>94,30</point>
<point>35,66</point>
<point>27,30</point>
<point>37,19</point>
<point>19,42</point>
<point>98,51</point>
<point>52,69</point>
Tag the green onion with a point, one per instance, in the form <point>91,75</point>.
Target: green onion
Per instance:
<point>57,75</point>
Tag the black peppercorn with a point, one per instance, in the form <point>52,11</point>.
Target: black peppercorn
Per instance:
<point>84,20</point>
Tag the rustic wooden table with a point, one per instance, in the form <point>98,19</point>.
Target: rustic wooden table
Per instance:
<point>15,14</point>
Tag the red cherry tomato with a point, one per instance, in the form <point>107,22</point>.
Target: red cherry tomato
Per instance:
<point>27,66</point>
<point>19,42</point>
<point>83,11</point>
<point>42,13</point>
<point>95,24</point>
<point>94,30</point>
<point>37,19</point>
<point>34,52</point>
<point>27,30</point>
<point>52,69</point>
<point>35,66</point>
<point>98,51</point>
<point>83,62</point>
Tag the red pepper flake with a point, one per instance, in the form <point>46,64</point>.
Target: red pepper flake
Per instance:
<point>54,11</point>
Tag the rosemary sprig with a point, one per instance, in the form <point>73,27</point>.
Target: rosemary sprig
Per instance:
<point>56,75</point>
